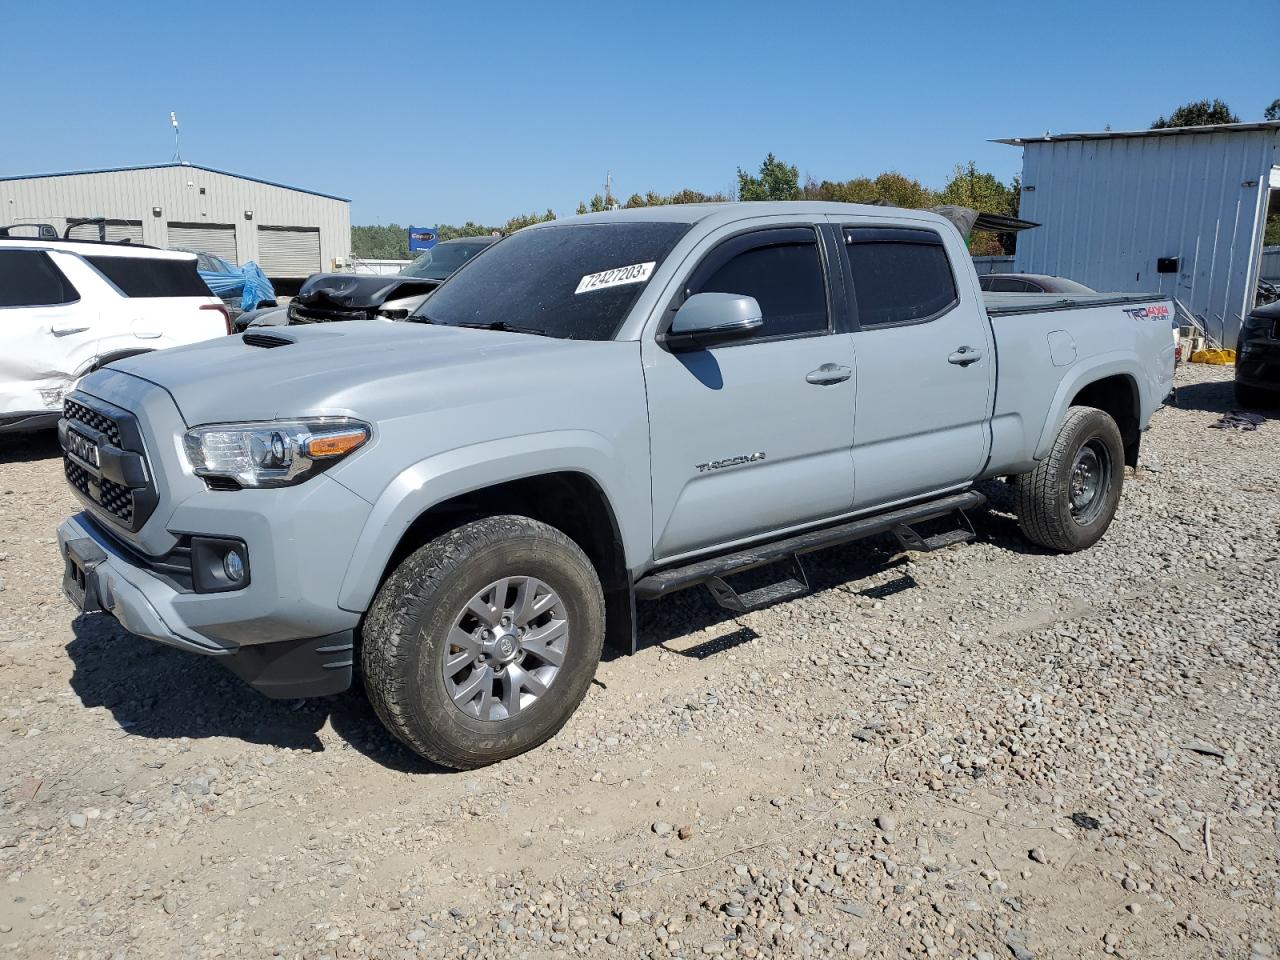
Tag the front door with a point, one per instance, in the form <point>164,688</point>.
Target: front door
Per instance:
<point>925,358</point>
<point>753,436</point>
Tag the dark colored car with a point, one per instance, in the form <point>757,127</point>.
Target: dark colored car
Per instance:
<point>326,297</point>
<point>1030,283</point>
<point>1258,358</point>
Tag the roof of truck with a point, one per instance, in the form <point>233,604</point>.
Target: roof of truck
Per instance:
<point>740,209</point>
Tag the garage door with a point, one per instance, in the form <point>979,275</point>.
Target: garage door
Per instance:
<point>92,229</point>
<point>289,251</point>
<point>216,238</point>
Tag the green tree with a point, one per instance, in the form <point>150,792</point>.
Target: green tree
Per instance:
<point>984,192</point>
<point>515,223</point>
<point>776,181</point>
<point>1198,113</point>
<point>892,188</point>
<point>1273,110</point>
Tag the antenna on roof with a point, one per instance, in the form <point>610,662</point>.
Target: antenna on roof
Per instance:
<point>177,153</point>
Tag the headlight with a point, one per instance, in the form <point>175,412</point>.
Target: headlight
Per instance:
<point>277,453</point>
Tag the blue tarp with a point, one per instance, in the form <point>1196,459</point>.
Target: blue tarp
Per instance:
<point>248,281</point>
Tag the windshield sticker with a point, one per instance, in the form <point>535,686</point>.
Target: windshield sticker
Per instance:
<point>636,273</point>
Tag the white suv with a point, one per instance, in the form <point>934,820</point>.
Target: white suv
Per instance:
<point>68,307</point>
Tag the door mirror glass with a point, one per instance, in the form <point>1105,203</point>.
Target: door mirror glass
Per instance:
<point>706,319</point>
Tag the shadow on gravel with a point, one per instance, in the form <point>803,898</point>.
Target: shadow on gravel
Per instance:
<point>161,693</point>
<point>1216,397</point>
<point>29,447</point>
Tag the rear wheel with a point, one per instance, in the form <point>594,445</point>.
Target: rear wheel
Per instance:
<point>1067,502</point>
<point>482,643</point>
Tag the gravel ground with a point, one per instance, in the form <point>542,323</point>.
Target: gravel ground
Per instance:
<point>990,751</point>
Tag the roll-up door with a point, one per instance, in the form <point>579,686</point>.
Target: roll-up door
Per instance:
<point>289,251</point>
<point>95,228</point>
<point>216,238</point>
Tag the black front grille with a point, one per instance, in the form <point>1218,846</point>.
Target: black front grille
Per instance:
<point>124,496</point>
<point>90,417</point>
<point>115,499</point>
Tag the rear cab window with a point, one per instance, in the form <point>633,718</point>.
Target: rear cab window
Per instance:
<point>151,277</point>
<point>30,278</point>
<point>899,275</point>
<point>573,281</point>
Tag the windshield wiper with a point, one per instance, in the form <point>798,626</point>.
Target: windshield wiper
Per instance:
<point>504,327</point>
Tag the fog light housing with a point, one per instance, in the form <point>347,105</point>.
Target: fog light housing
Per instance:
<point>219,564</point>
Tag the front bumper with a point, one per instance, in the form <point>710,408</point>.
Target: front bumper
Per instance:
<point>101,577</point>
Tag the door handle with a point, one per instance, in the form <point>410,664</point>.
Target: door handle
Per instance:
<point>828,374</point>
<point>965,356</point>
<point>62,329</point>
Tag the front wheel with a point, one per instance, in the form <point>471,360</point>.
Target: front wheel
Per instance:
<point>1067,502</point>
<point>482,643</point>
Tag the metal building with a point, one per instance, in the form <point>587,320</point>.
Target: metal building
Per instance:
<point>290,232</point>
<point>1180,211</point>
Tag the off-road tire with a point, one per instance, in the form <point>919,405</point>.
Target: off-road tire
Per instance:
<point>1042,498</point>
<point>1256,398</point>
<point>405,638</point>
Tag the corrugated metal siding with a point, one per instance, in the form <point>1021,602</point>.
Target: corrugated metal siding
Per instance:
<point>1110,208</point>
<point>130,230</point>
<point>133,195</point>
<point>288,251</point>
<point>215,238</point>
<point>1271,264</point>
<point>989,265</point>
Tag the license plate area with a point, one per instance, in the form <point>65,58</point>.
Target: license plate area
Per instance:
<point>79,584</point>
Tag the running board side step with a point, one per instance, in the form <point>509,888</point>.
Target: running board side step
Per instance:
<point>714,570</point>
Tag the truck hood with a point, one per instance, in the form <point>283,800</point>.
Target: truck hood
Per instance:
<point>368,370</point>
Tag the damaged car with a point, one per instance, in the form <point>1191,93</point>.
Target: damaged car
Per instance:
<point>70,307</point>
<point>327,297</point>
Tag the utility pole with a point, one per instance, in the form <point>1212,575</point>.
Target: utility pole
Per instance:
<point>177,152</point>
<point>608,190</point>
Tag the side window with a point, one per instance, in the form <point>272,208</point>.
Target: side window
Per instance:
<point>30,278</point>
<point>786,279</point>
<point>900,275</point>
<point>1009,285</point>
<point>152,276</point>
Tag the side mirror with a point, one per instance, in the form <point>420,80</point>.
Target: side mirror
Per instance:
<point>706,319</point>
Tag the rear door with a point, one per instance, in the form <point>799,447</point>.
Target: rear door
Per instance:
<point>47,332</point>
<point>925,361</point>
<point>163,302</point>
<point>753,436</point>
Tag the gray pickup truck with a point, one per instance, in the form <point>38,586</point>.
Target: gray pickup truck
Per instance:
<point>468,504</point>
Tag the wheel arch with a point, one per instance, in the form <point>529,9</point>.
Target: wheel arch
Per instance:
<point>1108,384</point>
<point>572,498</point>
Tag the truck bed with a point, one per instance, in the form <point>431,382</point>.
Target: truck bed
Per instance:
<point>1005,304</point>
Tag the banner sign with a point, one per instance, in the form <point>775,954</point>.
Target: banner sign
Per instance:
<point>422,238</point>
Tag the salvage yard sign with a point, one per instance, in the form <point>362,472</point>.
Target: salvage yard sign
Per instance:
<point>422,238</point>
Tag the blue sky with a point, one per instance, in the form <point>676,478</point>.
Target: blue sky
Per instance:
<point>424,112</point>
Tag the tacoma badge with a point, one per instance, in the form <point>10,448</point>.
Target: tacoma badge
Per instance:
<point>730,462</point>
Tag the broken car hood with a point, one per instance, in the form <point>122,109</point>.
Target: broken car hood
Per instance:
<point>339,294</point>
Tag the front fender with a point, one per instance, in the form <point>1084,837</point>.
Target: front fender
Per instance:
<point>1119,362</point>
<point>442,477</point>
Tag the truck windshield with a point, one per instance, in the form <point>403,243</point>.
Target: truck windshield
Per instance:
<point>573,281</point>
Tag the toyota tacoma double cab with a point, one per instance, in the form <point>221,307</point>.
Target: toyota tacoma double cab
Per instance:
<point>468,505</point>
